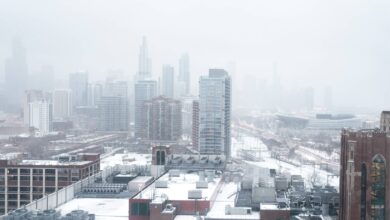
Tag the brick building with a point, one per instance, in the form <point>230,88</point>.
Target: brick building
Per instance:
<point>364,182</point>
<point>22,181</point>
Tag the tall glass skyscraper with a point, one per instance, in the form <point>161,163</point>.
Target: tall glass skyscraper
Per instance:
<point>214,113</point>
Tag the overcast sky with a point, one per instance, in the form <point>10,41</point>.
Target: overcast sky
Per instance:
<point>344,44</point>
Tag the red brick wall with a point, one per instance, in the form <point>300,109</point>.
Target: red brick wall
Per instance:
<point>366,147</point>
<point>275,214</point>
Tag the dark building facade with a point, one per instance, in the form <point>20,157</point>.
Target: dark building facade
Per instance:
<point>364,177</point>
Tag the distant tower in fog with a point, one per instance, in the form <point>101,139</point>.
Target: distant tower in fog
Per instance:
<point>62,103</point>
<point>15,75</point>
<point>168,81</point>
<point>214,113</point>
<point>184,73</point>
<point>144,61</point>
<point>328,98</point>
<point>78,84</point>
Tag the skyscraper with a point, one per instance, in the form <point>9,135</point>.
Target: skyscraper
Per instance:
<point>214,113</point>
<point>184,73</point>
<point>364,182</point>
<point>114,107</point>
<point>161,119</point>
<point>78,83</point>
<point>144,90</point>
<point>62,103</point>
<point>144,61</point>
<point>167,83</point>
<point>15,76</point>
<point>195,124</point>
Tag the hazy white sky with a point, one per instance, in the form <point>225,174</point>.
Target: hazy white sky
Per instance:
<point>345,44</point>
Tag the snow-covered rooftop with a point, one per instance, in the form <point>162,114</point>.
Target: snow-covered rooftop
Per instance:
<point>104,209</point>
<point>178,188</point>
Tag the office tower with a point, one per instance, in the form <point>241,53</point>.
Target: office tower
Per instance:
<point>114,107</point>
<point>195,124</point>
<point>78,83</point>
<point>41,116</point>
<point>15,76</point>
<point>62,104</point>
<point>385,121</point>
<point>24,181</point>
<point>30,96</point>
<point>167,82</point>
<point>144,90</point>
<point>214,113</point>
<point>364,184</point>
<point>184,73</point>
<point>144,61</point>
<point>161,119</point>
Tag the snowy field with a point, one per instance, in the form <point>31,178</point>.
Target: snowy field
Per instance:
<point>307,171</point>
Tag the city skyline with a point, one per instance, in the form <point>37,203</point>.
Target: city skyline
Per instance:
<point>320,49</point>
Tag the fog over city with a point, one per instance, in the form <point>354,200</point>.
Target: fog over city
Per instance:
<point>194,109</point>
<point>341,44</point>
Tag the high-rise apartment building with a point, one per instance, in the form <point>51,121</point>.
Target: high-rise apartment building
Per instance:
<point>162,119</point>
<point>78,83</point>
<point>22,181</point>
<point>195,124</point>
<point>144,90</point>
<point>214,113</point>
<point>62,104</point>
<point>41,116</point>
<point>144,61</point>
<point>30,96</point>
<point>114,107</point>
<point>168,81</point>
<point>184,73</point>
<point>364,182</point>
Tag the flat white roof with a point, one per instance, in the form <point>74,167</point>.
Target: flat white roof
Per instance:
<point>52,163</point>
<point>104,209</point>
<point>226,196</point>
<point>126,159</point>
<point>178,188</point>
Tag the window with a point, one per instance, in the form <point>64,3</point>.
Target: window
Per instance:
<point>378,188</point>
<point>363,191</point>
<point>139,209</point>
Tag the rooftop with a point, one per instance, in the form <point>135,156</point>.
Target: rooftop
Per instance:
<point>104,209</point>
<point>52,163</point>
<point>178,188</point>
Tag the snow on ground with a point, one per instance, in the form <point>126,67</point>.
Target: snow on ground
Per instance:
<point>247,142</point>
<point>104,209</point>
